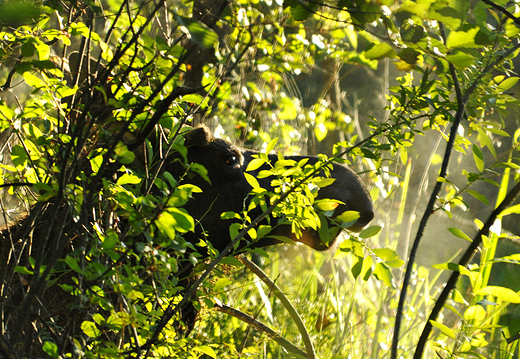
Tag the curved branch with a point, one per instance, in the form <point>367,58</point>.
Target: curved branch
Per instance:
<point>311,354</point>
<point>290,347</point>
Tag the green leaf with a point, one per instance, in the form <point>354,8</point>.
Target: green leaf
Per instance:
<point>128,178</point>
<point>384,274</point>
<point>475,312</point>
<point>326,205</point>
<point>23,270</point>
<point>478,196</point>
<point>409,55</point>
<point>197,31</point>
<point>200,170</point>
<point>386,254</point>
<point>510,210</point>
<point>255,164</point>
<point>320,131</point>
<point>19,12</point>
<point>504,294</point>
<point>271,145</point>
<point>19,156</point>
<point>90,329</point>
<point>51,349</point>
<point>484,138</point>
<point>166,224</point>
<point>252,181</point>
<point>348,216</point>
<point>507,84</point>
<point>287,109</point>
<point>461,60</point>
<point>33,80</point>
<point>370,231</point>
<point>183,222</point>
<point>379,51</point>
<point>43,50</point>
<point>95,163</point>
<point>445,14</point>
<point>462,38</point>
<point>478,157</point>
<point>123,155</point>
<point>454,267</point>
<point>325,182</point>
<point>73,264</point>
<point>229,215</point>
<point>444,329</point>
<point>221,283</point>
<point>206,350</point>
<point>458,233</point>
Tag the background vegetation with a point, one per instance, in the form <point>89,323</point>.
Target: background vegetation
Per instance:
<point>422,93</point>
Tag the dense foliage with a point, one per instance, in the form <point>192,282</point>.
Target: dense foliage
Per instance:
<point>419,96</point>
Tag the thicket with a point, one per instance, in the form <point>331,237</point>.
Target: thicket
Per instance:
<point>420,93</point>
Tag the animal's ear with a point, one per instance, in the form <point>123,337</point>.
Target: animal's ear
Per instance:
<point>199,136</point>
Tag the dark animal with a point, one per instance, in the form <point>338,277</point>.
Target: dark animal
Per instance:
<point>226,166</point>
<point>31,308</point>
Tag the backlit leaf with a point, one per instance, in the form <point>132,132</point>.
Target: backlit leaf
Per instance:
<point>206,350</point>
<point>458,233</point>
<point>348,216</point>
<point>444,329</point>
<point>378,51</point>
<point>510,210</point>
<point>462,38</point>
<point>507,84</point>
<point>384,274</point>
<point>461,60</point>
<point>255,164</point>
<point>90,329</point>
<point>478,157</point>
<point>251,180</point>
<point>504,294</point>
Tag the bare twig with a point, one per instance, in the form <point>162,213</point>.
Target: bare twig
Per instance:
<point>290,347</point>
<point>311,354</point>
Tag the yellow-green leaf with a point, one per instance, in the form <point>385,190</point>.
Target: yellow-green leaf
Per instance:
<point>251,180</point>
<point>458,233</point>
<point>462,38</point>
<point>379,51</point>
<point>510,210</point>
<point>90,329</point>
<point>507,84</point>
<point>504,294</point>
<point>444,329</point>
<point>255,164</point>
<point>348,216</point>
<point>461,60</point>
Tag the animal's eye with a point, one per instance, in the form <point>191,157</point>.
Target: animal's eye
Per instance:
<point>231,160</point>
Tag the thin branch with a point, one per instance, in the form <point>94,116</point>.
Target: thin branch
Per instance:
<point>450,284</point>
<point>503,10</point>
<point>311,354</point>
<point>461,108</point>
<point>17,184</point>
<point>290,347</point>
<point>461,102</point>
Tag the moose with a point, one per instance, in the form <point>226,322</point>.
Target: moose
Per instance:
<point>31,307</point>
